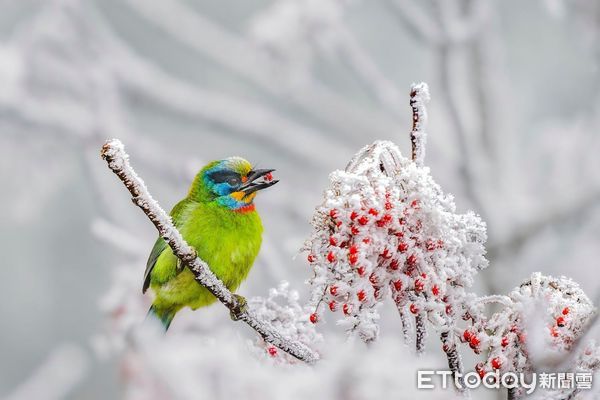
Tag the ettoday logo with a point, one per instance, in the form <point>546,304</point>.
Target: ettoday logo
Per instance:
<point>508,380</point>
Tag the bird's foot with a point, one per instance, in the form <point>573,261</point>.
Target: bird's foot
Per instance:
<point>239,309</point>
<point>180,266</point>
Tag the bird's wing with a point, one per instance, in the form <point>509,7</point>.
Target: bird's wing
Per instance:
<point>160,245</point>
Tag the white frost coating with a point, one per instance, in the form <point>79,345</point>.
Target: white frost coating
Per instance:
<point>419,97</point>
<point>284,312</point>
<point>385,228</point>
<point>114,153</point>
<point>537,328</point>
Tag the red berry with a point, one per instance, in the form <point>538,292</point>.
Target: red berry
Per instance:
<point>388,205</point>
<point>480,370</point>
<point>419,285</point>
<point>331,257</point>
<point>554,332</point>
<point>565,310</point>
<point>415,204</point>
<point>313,318</point>
<point>366,240</point>
<point>522,337</point>
<point>440,244</point>
<point>504,342</point>
<point>332,241</point>
<point>268,177</point>
<point>333,213</point>
<point>402,247</point>
<point>496,363</point>
<point>272,351</point>
<point>373,212</point>
<point>373,279</point>
<point>353,249</point>
<point>361,295</point>
<point>363,220</point>
<point>398,285</point>
<point>347,308</point>
<point>384,221</point>
<point>467,335</point>
<point>338,224</point>
<point>376,294</point>
<point>332,305</point>
<point>430,245</point>
<point>412,260</point>
<point>394,265</point>
<point>333,290</point>
<point>402,221</point>
<point>353,258</point>
<point>353,215</point>
<point>424,275</point>
<point>560,321</point>
<point>435,290</point>
<point>355,230</point>
<point>414,309</point>
<point>448,309</point>
<point>361,271</point>
<point>474,341</point>
<point>386,254</point>
<point>311,258</point>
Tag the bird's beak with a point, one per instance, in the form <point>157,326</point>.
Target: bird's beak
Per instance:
<point>251,186</point>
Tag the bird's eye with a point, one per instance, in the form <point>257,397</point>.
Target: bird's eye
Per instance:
<point>234,181</point>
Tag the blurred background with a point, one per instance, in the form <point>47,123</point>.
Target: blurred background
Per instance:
<point>297,85</point>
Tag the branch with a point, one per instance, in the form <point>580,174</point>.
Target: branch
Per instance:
<point>453,356</point>
<point>419,96</point>
<point>114,154</point>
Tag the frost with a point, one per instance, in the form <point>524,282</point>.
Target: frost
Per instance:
<point>386,229</point>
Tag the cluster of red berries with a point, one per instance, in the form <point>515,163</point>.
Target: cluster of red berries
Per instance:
<point>378,235</point>
<point>377,250</point>
<point>503,335</point>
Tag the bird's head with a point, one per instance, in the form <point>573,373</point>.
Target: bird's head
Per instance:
<point>232,183</point>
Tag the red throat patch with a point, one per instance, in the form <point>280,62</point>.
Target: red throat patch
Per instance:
<point>245,209</point>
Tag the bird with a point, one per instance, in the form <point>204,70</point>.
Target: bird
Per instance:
<point>219,220</point>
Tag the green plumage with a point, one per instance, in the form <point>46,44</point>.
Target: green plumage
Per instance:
<point>227,238</point>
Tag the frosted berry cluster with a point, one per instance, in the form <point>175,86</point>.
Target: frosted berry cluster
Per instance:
<point>386,229</point>
<point>284,312</point>
<point>557,304</point>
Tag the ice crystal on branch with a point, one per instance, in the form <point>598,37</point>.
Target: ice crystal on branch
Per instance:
<point>386,230</point>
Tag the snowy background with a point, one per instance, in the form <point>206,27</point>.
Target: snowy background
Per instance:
<point>300,86</point>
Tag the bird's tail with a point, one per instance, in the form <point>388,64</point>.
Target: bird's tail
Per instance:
<point>164,316</point>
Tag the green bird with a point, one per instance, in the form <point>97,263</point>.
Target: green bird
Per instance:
<point>218,219</point>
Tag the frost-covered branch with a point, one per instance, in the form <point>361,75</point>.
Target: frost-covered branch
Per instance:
<point>419,96</point>
<point>118,161</point>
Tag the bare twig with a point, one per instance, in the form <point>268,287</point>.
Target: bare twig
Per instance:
<point>419,96</point>
<point>118,161</point>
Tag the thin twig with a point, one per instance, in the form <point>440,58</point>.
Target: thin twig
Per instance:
<point>419,96</point>
<point>420,333</point>
<point>454,360</point>
<point>118,161</point>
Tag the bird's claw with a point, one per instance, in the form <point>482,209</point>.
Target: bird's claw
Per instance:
<point>241,307</point>
<point>180,266</point>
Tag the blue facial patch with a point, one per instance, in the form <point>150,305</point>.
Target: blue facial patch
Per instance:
<point>223,181</point>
